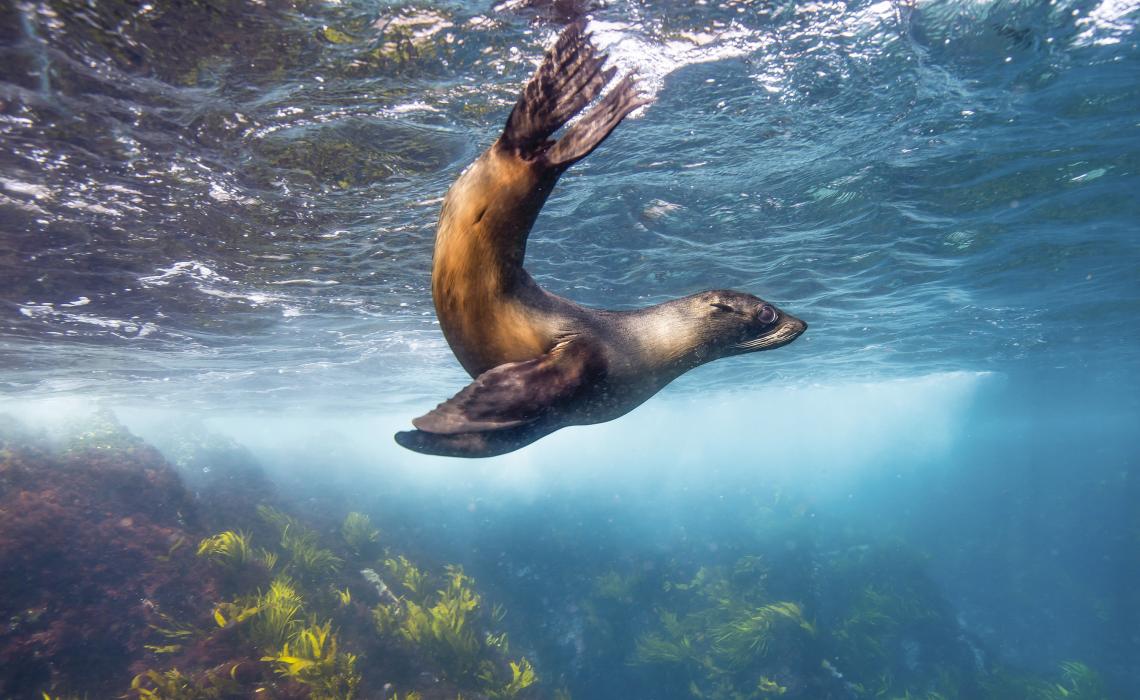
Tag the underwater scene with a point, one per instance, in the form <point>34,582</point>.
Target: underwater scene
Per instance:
<point>221,297</point>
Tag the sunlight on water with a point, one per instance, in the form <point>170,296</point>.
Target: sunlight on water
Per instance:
<point>216,229</point>
<point>823,438</point>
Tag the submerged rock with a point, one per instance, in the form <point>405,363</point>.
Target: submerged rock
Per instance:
<point>96,545</point>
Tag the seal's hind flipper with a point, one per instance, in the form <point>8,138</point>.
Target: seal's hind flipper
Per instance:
<point>570,77</point>
<point>583,137</point>
<point>516,393</point>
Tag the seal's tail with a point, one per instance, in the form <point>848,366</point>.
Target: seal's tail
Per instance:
<point>570,77</point>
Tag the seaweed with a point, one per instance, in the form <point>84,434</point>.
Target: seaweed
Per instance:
<point>522,677</point>
<point>311,658</point>
<point>230,549</point>
<point>408,575</point>
<point>307,559</point>
<point>116,605</point>
<point>724,635</point>
<point>359,534</point>
<point>175,685</point>
<point>446,629</point>
<point>235,620</point>
<point>277,616</point>
<point>749,632</point>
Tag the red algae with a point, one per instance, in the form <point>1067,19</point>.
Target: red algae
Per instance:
<point>106,592</point>
<point>92,553</point>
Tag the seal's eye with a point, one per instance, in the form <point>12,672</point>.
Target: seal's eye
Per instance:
<point>768,314</point>
<point>722,307</point>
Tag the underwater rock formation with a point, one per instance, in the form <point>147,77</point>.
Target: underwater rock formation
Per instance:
<point>96,545</point>
<point>114,588</point>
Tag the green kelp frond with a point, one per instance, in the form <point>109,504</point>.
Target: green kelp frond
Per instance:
<point>410,578</point>
<point>749,635</point>
<point>174,629</point>
<point>234,613</point>
<point>174,685</point>
<point>276,518</point>
<point>768,687</point>
<point>497,641</point>
<point>712,584</point>
<point>344,596</point>
<point>751,571</point>
<point>614,586</point>
<point>358,533</point>
<point>230,549</point>
<point>1079,683</point>
<point>675,645</point>
<point>445,630</point>
<point>307,558</point>
<point>277,619</point>
<point>657,649</point>
<point>866,634</point>
<point>312,658</point>
<point>179,542</point>
<point>447,627</point>
<point>522,677</point>
<point>269,558</point>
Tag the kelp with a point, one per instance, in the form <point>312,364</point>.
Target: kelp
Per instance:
<point>175,685</point>
<point>278,616</point>
<point>749,632</point>
<point>723,633</point>
<point>522,677</point>
<point>230,549</point>
<point>307,559</point>
<point>359,534</point>
<point>311,658</point>
<point>411,579</point>
<point>446,628</point>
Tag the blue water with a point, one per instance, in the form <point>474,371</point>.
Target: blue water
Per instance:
<point>222,215</point>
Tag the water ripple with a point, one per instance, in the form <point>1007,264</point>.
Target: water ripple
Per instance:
<point>245,212</point>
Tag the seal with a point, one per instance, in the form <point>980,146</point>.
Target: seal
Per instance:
<point>541,362</point>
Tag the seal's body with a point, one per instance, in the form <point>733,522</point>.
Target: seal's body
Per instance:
<point>541,362</point>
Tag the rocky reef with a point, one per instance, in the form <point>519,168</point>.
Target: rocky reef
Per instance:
<point>127,573</point>
<point>115,587</point>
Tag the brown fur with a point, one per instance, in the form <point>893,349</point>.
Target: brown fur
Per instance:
<point>541,362</point>
<point>477,266</point>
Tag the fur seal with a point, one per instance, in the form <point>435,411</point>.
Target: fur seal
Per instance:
<point>541,362</point>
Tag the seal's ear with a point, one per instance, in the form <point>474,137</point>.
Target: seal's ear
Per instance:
<point>517,393</point>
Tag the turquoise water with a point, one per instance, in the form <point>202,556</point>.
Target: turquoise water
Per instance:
<point>217,222</point>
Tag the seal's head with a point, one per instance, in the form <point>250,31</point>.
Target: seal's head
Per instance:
<point>734,323</point>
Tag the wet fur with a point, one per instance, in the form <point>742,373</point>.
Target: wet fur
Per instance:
<point>542,362</point>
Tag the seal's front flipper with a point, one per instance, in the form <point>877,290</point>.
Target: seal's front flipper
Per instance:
<point>570,77</point>
<point>517,393</point>
<point>485,444</point>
